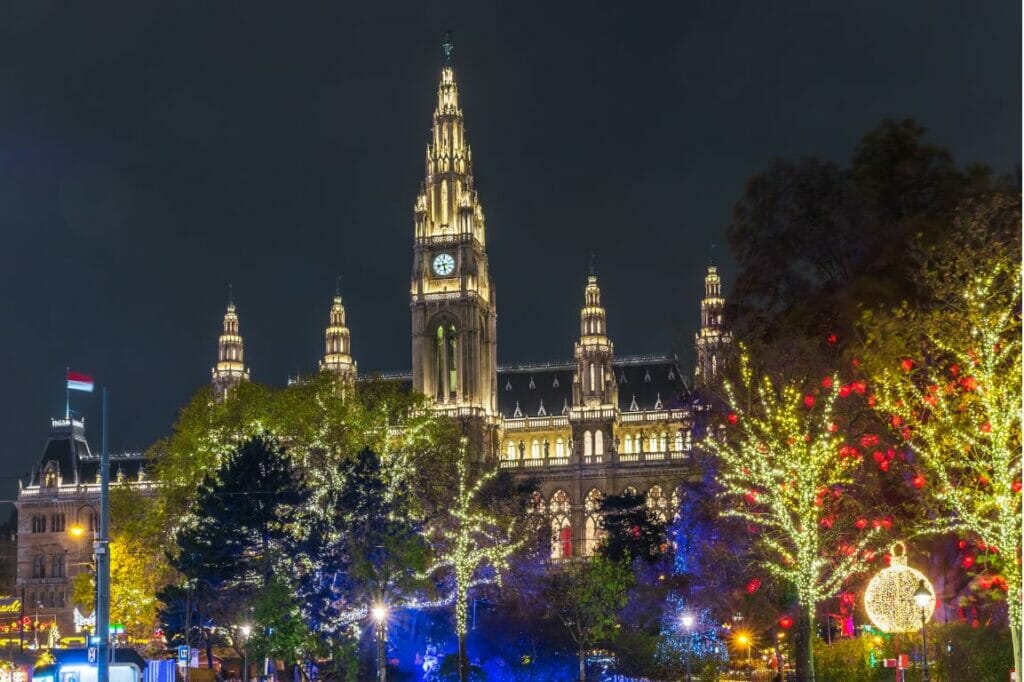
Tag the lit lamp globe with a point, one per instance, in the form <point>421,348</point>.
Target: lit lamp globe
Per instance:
<point>898,597</point>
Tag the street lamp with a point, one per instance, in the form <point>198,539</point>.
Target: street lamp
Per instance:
<point>743,639</point>
<point>245,630</point>
<point>379,613</point>
<point>687,621</point>
<point>923,597</point>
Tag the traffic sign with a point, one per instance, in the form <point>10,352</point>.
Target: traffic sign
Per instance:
<point>93,654</point>
<point>183,652</point>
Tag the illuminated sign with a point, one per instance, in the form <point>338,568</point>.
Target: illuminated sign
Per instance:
<point>10,605</point>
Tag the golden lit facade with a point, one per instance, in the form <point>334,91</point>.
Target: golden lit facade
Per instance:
<point>591,425</point>
<point>454,324</point>
<point>230,368</point>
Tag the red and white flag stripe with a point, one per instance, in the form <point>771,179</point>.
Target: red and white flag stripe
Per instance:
<point>79,382</point>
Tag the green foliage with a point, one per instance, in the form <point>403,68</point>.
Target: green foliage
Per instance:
<point>279,631</point>
<point>633,530</point>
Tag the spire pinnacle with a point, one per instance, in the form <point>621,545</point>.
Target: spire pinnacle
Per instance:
<point>448,46</point>
<point>337,285</point>
<point>231,296</point>
<point>593,265</point>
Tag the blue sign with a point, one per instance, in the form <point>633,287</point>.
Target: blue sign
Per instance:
<point>183,654</point>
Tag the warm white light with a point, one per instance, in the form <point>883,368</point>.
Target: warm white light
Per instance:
<point>687,621</point>
<point>379,612</point>
<point>245,630</point>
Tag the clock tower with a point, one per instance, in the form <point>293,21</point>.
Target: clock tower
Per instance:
<point>454,351</point>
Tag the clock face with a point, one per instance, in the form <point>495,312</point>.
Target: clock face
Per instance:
<point>444,264</point>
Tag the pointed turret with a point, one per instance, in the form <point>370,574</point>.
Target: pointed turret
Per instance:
<point>713,339</point>
<point>595,382</point>
<point>230,369</point>
<point>338,343</point>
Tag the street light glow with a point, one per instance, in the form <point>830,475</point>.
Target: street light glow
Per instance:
<point>687,621</point>
<point>76,530</point>
<point>246,629</point>
<point>379,612</point>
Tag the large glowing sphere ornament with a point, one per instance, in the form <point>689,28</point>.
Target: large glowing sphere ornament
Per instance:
<point>889,597</point>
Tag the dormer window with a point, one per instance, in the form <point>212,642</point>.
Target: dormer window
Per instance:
<point>51,475</point>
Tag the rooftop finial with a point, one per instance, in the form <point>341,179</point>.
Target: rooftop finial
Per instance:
<point>337,285</point>
<point>448,46</point>
<point>231,295</point>
<point>711,254</point>
<point>593,264</point>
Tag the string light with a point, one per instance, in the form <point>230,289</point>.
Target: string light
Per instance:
<point>787,467</point>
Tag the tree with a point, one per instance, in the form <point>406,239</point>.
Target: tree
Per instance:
<point>815,241</point>
<point>948,378</point>
<point>472,540</point>
<point>586,596</point>
<point>229,543</point>
<point>785,462</point>
<point>632,529</point>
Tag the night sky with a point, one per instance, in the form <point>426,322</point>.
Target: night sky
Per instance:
<point>150,153</point>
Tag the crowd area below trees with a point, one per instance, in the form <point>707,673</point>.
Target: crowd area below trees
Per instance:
<point>874,396</point>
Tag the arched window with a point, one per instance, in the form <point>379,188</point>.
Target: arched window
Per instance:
<point>679,441</point>
<point>39,566</point>
<point>559,447</point>
<point>664,441</point>
<point>511,450</point>
<point>592,532</point>
<point>561,526</point>
<point>599,442</point>
<point>535,449</point>
<point>592,387</point>
<point>57,523</point>
<point>658,503</point>
<point>447,362</point>
<point>588,444</point>
<point>453,365</point>
<point>627,444</point>
<point>57,566</point>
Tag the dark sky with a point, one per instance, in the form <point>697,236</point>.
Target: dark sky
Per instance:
<point>152,152</point>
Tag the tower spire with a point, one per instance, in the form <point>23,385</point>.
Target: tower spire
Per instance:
<point>712,339</point>
<point>595,382</point>
<point>337,341</point>
<point>447,47</point>
<point>230,369</point>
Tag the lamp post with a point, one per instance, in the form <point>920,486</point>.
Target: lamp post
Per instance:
<point>379,612</point>
<point>687,621</point>
<point>245,630</point>
<point>923,597</point>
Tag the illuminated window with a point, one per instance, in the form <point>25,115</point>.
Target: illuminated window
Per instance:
<point>559,447</point>
<point>453,374</point>
<point>592,387</point>
<point>599,442</point>
<point>592,532</point>
<point>511,454</point>
<point>627,444</point>
<point>561,526</point>
<point>535,449</point>
<point>588,444</point>
<point>679,441</point>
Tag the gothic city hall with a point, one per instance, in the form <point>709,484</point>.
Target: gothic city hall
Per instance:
<point>597,423</point>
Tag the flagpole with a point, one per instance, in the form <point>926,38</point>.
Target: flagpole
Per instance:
<point>103,560</point>
<point>67,395</point>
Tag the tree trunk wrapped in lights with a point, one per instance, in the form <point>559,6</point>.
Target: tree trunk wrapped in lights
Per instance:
<point>788,466</point>
<point>471,539</point>
<point>954,397</point>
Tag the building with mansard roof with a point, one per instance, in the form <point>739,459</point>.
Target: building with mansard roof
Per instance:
<point>594,424</point>
<point>58,517</point>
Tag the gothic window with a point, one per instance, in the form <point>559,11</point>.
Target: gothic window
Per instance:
<point>627,444</point>
<point>588,444</point>
<point>535,449</point>
<point>57,566</point>
<point>38,524</point>
<point>592,532</point>
<point>591,376</point>
<point>658,503</point>
<point>559,447</point>
<point>453,374</point>
<point>39,566</point>
<point>440,362</point>
<point>57,523</point>
<point>601,385</point>
<point>536,503</point>
<point>561,526</point>
<point>599,442</point>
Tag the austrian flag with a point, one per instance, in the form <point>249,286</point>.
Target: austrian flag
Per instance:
<point>79,382</point>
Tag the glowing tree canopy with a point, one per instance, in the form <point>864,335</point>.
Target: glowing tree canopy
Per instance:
<point>788,467</point>
<point>889,597</point>
<point>954,397</point>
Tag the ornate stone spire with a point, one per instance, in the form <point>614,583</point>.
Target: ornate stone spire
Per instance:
<point>337,343</point>
<point>230,369</point>
<point>448,202</point>
<point>596,383</point>
<point>713,339</point>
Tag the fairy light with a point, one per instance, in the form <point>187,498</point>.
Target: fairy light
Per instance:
<point>783,462</point>
<point>472,540</point>
<point>957,408</point>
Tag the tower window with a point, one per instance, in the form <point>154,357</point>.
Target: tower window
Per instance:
<point>588,444</point>
<point>453,374</point>
<point>599,442</point>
